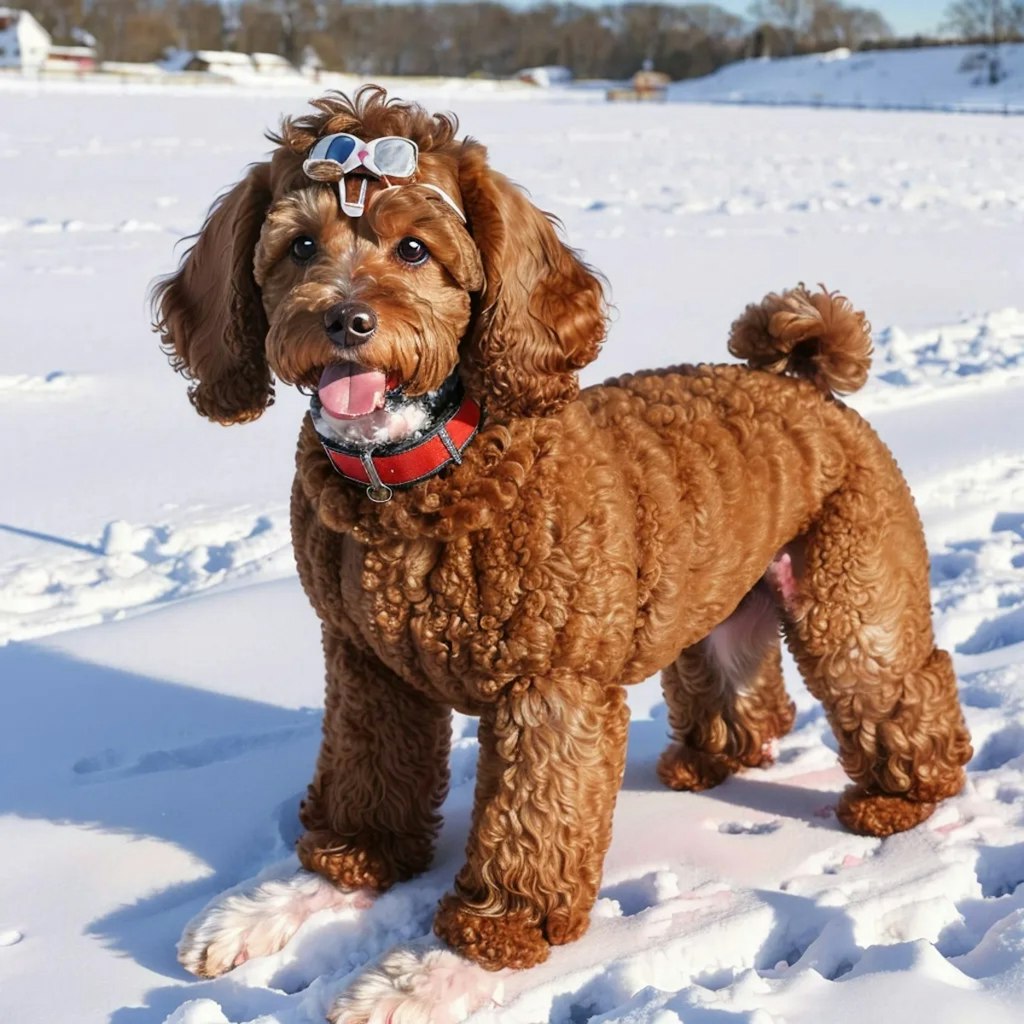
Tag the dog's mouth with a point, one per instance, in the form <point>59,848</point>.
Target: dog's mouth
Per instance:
<point>365,408</point>
<point>349,391</point>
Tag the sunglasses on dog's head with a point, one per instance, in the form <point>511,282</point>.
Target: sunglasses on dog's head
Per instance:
<point>334,156</point>
<point>391,156</point>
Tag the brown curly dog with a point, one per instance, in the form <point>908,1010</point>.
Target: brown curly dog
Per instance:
<point>579,542</point>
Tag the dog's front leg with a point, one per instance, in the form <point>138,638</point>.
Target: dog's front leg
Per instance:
<point>552,753</point>
<point>372,808</point>
<point>371,814</point>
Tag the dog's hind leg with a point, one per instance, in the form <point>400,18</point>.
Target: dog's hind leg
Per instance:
<point>726,699</point>
<point>372,809</point>
<point>858,622</point>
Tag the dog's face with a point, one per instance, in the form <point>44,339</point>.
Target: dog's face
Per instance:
<point>282,283</point>
<point>371,310</point>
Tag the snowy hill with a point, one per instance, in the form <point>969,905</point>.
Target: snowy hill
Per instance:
<point>160,671</point>
<point>942,77</point>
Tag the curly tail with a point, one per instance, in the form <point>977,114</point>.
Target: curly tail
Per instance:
<point>819,336</point>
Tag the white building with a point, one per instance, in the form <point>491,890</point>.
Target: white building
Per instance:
<point>24,43</point>
<point>272,64</point>
<point>237,67</point>
<point>220,62</point>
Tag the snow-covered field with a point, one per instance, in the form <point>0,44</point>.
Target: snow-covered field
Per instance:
<point>939,77</point>
<point>160,682</point>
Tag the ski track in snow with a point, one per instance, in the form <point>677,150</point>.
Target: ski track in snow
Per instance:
<point>681,185</point>
<point>892,191</point>
<point>44,226</point>
<point>132,567</point>
<point>978,554</point>
<point>113,764</point>
<point>47,385</point>
<point>980,352</point>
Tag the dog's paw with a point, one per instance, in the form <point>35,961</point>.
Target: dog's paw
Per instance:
<point>257,918</point>
<point>357,866</point>
<point>407,986</point>
<point>504,940</point>
<point>880,814</point>
<point>683,769</point>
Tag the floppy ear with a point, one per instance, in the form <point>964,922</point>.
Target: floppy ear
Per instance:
<point>542,313</point>
<point>210,314</point>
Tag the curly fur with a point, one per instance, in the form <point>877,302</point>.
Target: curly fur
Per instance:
<point>819,336</point>
<point>211,317</point>
<point>588,539</point>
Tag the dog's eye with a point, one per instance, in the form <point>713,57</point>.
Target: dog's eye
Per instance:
<point>303,249</point>
<point>412,251</point>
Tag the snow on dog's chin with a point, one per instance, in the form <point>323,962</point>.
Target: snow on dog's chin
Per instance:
<point>395,422</point>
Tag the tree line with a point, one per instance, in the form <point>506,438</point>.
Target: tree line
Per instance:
<point>487,37</point>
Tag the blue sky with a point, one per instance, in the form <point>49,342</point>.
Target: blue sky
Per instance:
<point>905,16</point>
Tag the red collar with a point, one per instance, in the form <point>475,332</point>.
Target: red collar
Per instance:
<point>410,463</point>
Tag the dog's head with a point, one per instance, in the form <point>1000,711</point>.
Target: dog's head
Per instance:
<point>281,283</point>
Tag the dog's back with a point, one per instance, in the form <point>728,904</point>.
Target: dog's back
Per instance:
<point>726,466</point>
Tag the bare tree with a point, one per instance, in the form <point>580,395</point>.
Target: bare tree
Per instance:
<point>790,16</point>
<point>200,24</point>
<point>713,21</point>
<point>260,29</point>
<point>832,25</point>
<point>995,21</point>
<point>58,17</point>
<point>446,37</point>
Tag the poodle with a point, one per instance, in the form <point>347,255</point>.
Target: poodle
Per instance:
<point>475,532</point>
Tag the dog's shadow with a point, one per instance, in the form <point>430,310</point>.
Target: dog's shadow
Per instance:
<point>118,752</point>
<point>750,790</point>
<point>219,778</point>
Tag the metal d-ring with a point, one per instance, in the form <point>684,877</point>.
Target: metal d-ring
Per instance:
<point>380,495</point>
<point>378,491</point>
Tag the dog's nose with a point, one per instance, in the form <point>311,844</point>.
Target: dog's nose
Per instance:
<point>350,323</point>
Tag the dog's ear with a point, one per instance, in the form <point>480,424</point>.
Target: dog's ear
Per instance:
<point>210,314</point>
<point>542,313</point>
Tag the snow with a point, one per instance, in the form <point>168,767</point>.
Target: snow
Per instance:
<point>939,77</point>
<point>161,679</point>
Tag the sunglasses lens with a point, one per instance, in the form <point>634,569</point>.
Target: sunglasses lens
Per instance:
<point>396,157</point>
<point>340,148</point>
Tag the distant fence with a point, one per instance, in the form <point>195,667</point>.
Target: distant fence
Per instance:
<point>112,76</point>
<point>1005,109</point>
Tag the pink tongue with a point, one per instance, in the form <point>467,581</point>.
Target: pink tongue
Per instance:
<point>347,390</point>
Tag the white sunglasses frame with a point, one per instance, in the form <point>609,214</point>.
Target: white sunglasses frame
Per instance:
<point>313,165</point>
<point>319,167</point>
